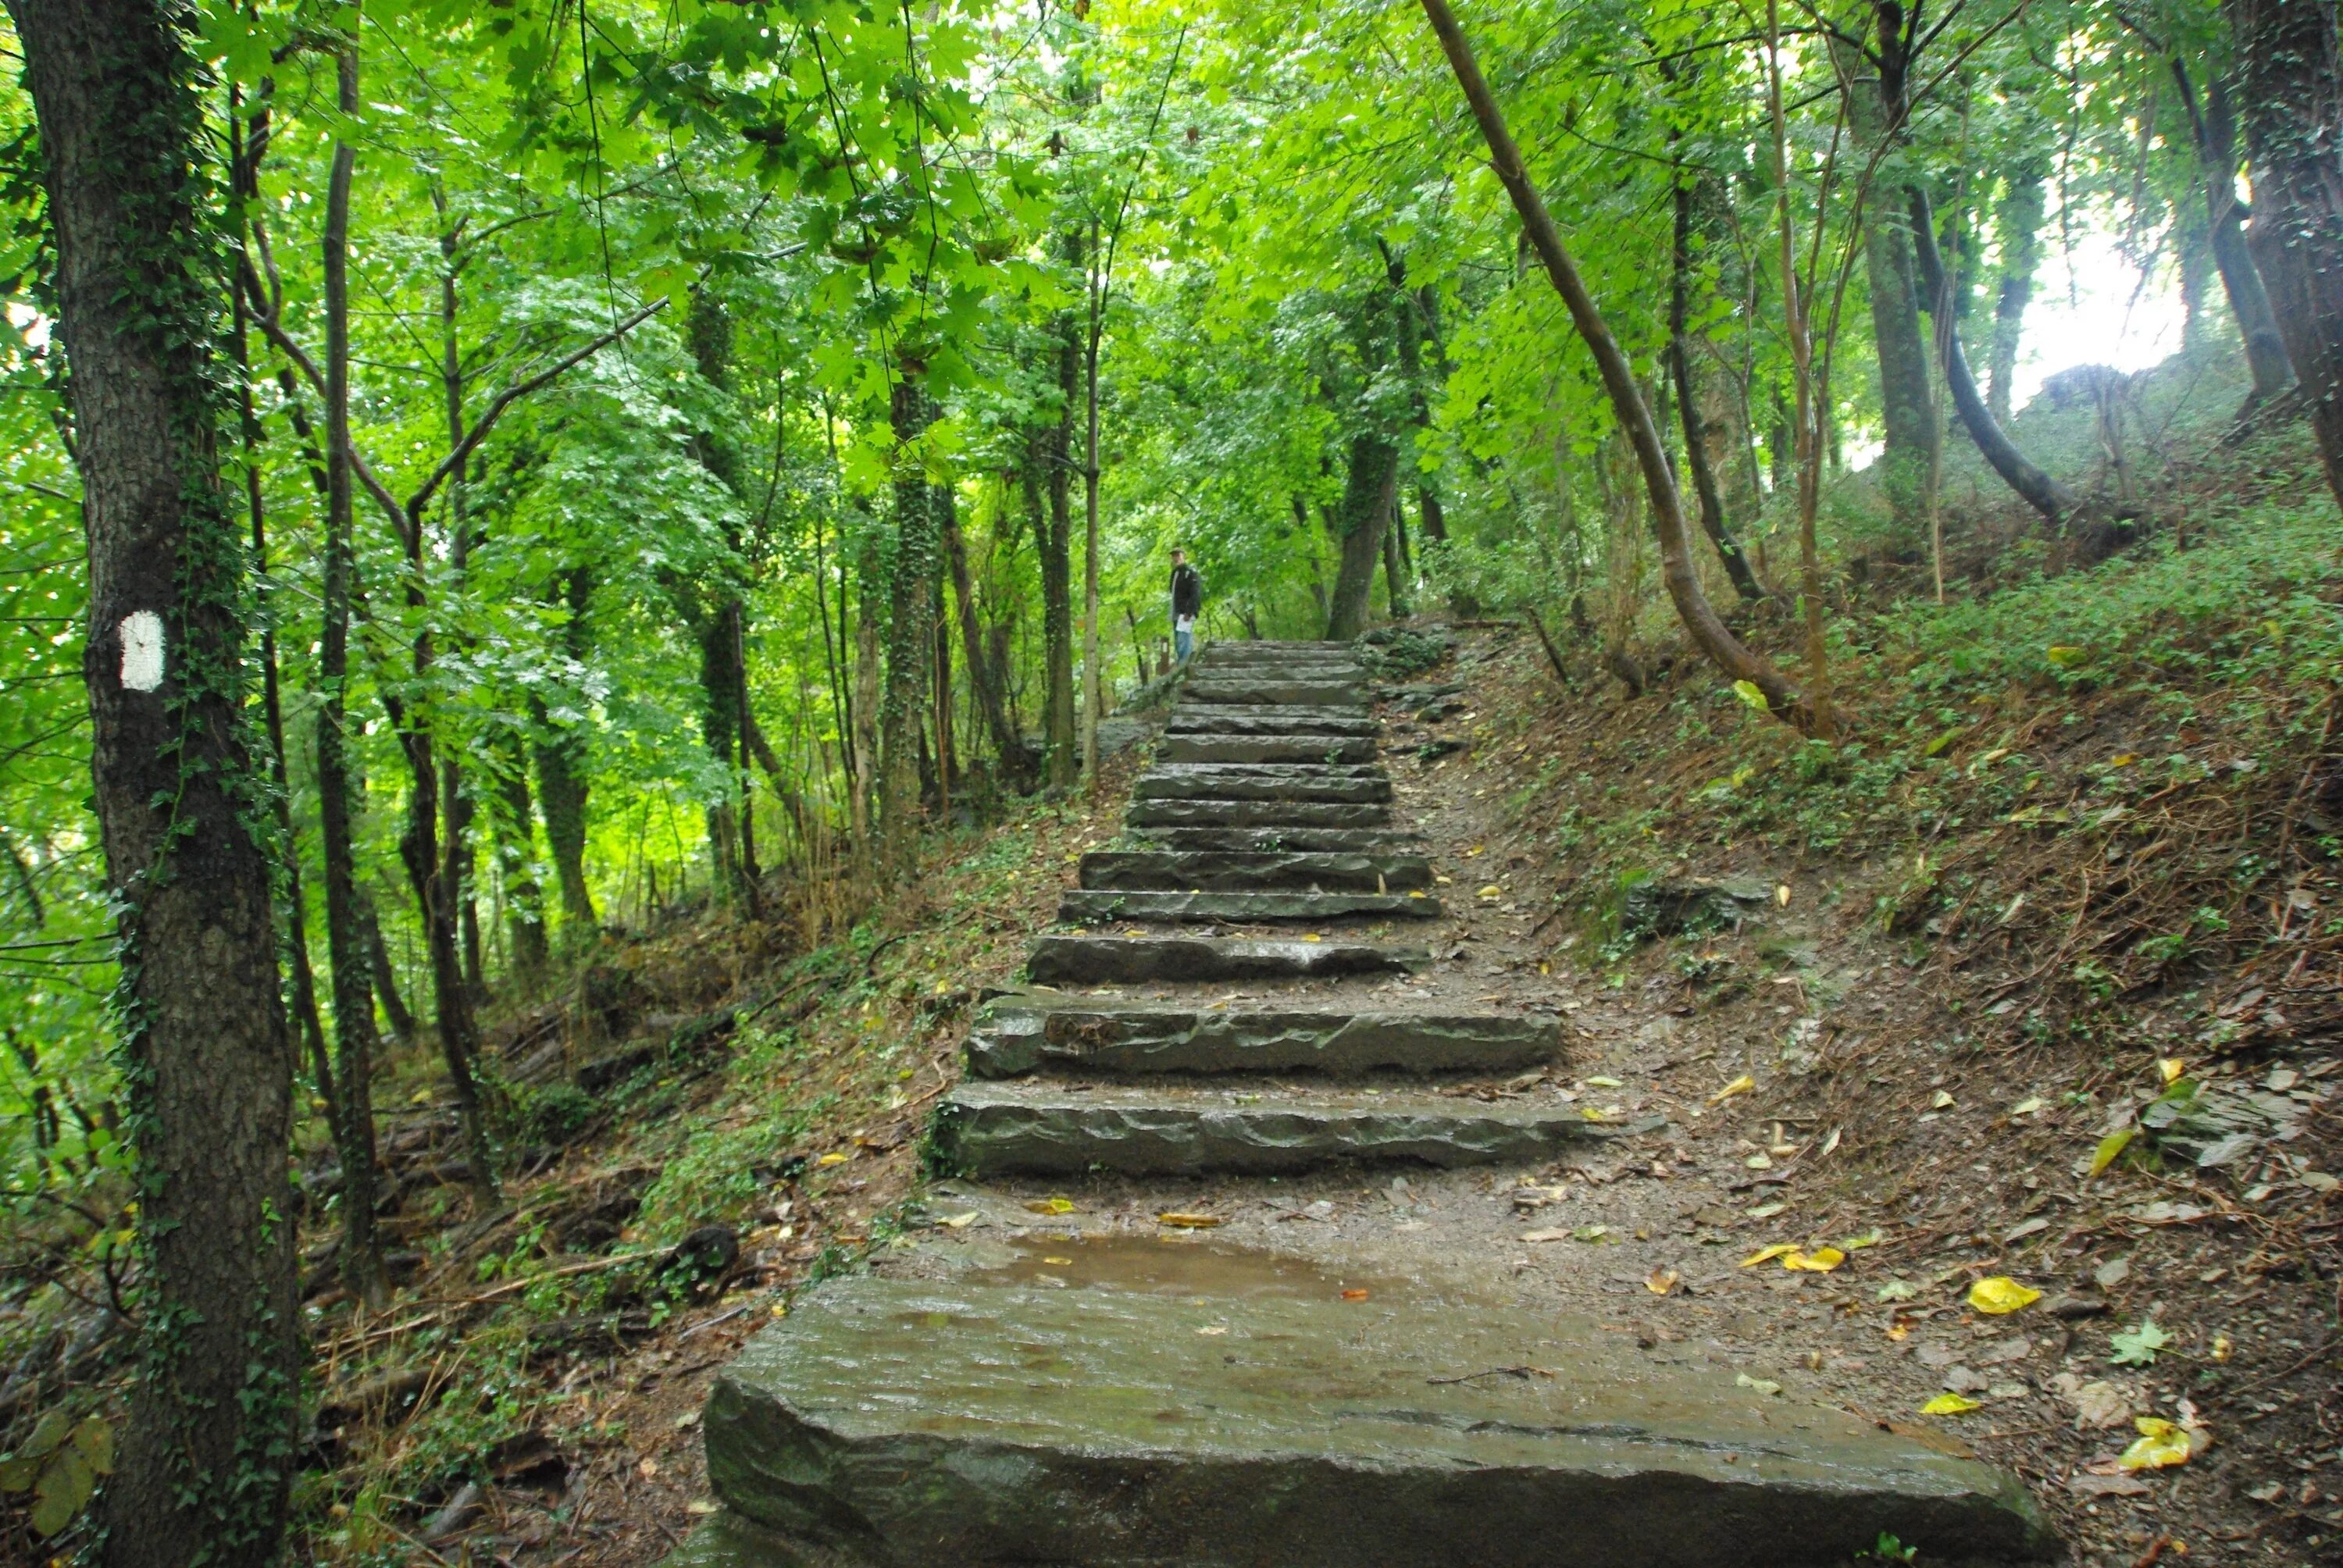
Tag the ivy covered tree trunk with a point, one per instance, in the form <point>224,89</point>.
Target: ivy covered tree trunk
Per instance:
<point>2290,82</point>
<point>983,673</point>
<point>722,630</point>
<point>1357,523</point>
<point>207,1063</point>
<point>911,634</point>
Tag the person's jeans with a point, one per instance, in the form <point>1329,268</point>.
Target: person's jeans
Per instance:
<point>1183,642</point>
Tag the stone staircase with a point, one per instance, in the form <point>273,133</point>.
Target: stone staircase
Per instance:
<point>1060,1382</point>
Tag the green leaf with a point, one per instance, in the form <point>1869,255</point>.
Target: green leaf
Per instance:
<point>63,1488</point>
<point>1747,691</point>
<point>2137,1346</point>
<point>2111,1148</point>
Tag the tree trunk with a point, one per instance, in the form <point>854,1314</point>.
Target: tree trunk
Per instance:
<point>1093,671</point>
<point>561,784</point>
<point>2214,128</point>
<point>515,844</point>
<point>385,973</point>
<point>2039,489</point>
<point>1358,524</point>
<point>1395,566</point>
<point>1053,450</point>
<point>1907,404</point>
<point>1708,633</point>
<point>2018,221</point>
<point>1704,478</point>
<point>2291,84</point>
<point>1016,766</point>
<point>211,1439</point>
<point>911,634</point>
<point>354,983</point>
<point>722,633</point>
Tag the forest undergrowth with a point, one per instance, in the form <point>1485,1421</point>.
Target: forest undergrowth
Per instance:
<point>2060,929</point>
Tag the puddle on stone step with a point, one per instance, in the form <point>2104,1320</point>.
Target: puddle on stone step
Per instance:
<point>1164,1266</point>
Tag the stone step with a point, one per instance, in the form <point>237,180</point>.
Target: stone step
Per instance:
<point>1270,840</point>
<point>1187,748</point>
<point>1264,781</point>
<point>1239,719</point>
<point>1049,1128</point>
<point>1025,1033</point>
<point>1086,907</point>
<point>1225,871</point>
<point>1260,647</point>
<point>1256,814</point>
<point>1070,960</point>
<point>1123,1403</point>
<point>1344,671</point>
<point>1270,691</point>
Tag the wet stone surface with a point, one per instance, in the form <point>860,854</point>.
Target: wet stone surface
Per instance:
<point>1238,1263</point>
<point>1116,1400</point>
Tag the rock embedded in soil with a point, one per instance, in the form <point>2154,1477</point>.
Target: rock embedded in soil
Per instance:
<point>1061,960</point>
<point>999,1419</point>
<point>1050,1129</point>
<point>1019,1034</point>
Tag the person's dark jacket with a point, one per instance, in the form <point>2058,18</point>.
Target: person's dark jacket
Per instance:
<point>1187,592</point>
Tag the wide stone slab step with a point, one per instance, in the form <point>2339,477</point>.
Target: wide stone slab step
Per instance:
<point>1059,959</point>
<point>1187,748</point>
<point>1046,1128</point>
<point>1224,871</point>
<point>1270,720</point>
<point>1307,840</point>
<point>1256,814</point>
<point>1270,782</point>
<point>1096,1413</point>
<point>1015,1035</point>
<point>1273,691</point>
<point>1085,907</point>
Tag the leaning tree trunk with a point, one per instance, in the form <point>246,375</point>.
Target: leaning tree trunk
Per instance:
<point>1707,630</point>
<point>2037,489</point>
<point>211,1440</point>
<point>1016,764</point>
<point>2214,128</point>
<point>2291,84</point>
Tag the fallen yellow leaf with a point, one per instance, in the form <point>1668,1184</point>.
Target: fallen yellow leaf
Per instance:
<point>1190,1221</point>
<point>1059,1262</point>
<point>1659,1282</point>
<point>1821,1260</point>
<point>1740,1085</point>
<point>2170,1068</point>
<point>1051,1205</point>
<point>2160,1443</point>
<point>1313,937</point>
<point>1767,1254</point>
<point>1492,891</point>
<point>2111,1147</point>
<point>833,1158</point>
<point>1998,1294</point>
<point>1949,1404</point>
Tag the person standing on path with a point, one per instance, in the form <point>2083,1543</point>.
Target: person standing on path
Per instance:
<point>1187,602</point>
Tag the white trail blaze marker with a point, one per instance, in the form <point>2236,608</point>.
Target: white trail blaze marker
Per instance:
<point>142,650</point>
